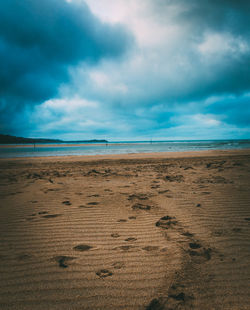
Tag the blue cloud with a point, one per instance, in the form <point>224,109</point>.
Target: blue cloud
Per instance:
<point>41,40</point>
<point>232,109</point>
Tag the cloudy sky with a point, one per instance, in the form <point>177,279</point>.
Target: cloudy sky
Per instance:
<point>125,69</point>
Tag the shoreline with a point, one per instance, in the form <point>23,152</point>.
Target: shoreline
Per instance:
<point>154,155</point>
<point>112,143</point>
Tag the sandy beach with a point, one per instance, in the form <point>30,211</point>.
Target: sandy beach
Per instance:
<point>132,232</point>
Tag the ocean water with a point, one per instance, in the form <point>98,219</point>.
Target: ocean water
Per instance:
<point>43,150</point>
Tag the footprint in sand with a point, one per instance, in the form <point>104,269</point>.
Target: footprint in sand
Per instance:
<point>122,220</point>
<point>181,296</point>
<point>125,247</point>
<point>138,196</point>
<point>51,215</point>
<point>163,191</point>
<point>118,265</point>
<point>166,222</point>
<point>93,172</point>
<point>53,190</point>
<point>156,304</point>
<point>155,186</point>
<point>130,239</point>
<point>150,248</point>
<point>103,273</point>
<point>139,206</point>
<point>85,207</point>
<point>188,168</point>
<point>82,247</point>
<point>199,254</point>
<point>115,235</point>
<point>66,202</point>
<point>187,234</point>
<point>176,299</point>
<point>63,260</point>
<point>164,249</point>
<point>194,245</point>
<point>174,178</point>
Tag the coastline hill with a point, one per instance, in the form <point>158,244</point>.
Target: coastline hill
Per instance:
<point>7,139</point>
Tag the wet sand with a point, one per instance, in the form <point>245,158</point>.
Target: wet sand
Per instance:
<point>139,231</point>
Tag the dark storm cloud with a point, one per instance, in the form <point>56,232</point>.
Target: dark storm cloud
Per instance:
<point>217,15</point>
<point>39,40</point>
<point>223,15</point>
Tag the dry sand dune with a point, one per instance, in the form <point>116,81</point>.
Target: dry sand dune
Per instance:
<point>131,232</point>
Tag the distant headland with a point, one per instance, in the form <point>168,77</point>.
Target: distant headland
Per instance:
<point>7,139</point>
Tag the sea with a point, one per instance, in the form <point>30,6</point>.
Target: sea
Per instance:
<point>122,147</point>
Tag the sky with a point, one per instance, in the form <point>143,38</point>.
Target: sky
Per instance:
<point>125,69</point>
